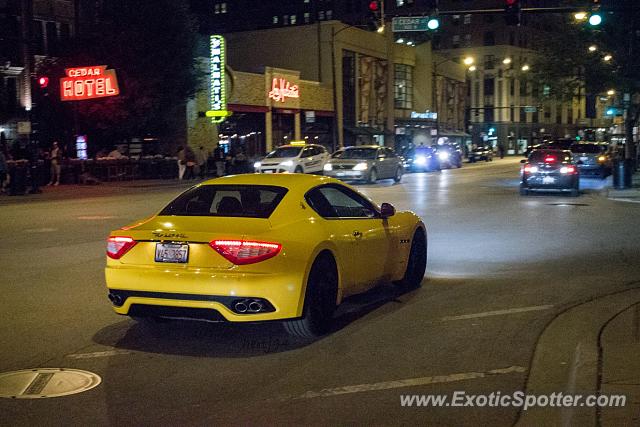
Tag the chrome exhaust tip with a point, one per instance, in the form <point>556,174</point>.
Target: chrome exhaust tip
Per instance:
<point>115,299</point>
<point>240,307</point>
<point>255,306</point>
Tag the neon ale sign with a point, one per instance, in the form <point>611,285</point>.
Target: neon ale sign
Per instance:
<point>282,89</point>
<point>88,83</point>
<point>218,98</point>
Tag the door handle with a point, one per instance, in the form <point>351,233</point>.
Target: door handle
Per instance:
<point>357,234</point>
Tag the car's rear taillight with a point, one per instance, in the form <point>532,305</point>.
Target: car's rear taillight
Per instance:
<point>242,252</point>
<point>568,169</point>
<point>530,169</point>
<point>117,246</point>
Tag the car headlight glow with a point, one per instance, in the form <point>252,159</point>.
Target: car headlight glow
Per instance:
<point>421,160</point>
<point>257,165</point>
<point>443,155</point>
<point>602,158</point>
<point>362,166</point>
<point>328,167</point>
<point>287,163</point>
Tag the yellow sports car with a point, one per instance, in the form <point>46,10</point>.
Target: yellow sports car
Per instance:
<point>262,247</point>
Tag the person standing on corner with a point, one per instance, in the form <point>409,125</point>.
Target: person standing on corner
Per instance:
<point>182,163</point>
<point>201,160</point>
<point>219,158</point>
<point>56,163</point>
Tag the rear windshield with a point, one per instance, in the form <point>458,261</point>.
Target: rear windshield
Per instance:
<point>586,148</point>
<point>356,153</point>
<point>551,156</point>
<point>250,201</point>
<point>284,152</point>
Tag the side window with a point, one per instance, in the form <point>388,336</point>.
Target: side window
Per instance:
<point>381,153</point>
<point>316,151</point>
<point>390,153</point>
<point>307,152</point>
<point>337,202</point>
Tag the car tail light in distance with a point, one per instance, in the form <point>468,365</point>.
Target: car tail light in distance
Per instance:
<point>602,158</point>
<point>568,169</point>
<point>530,169</point>
<point>550,159</point>
<point>241,252</point>
<point>117,246</point>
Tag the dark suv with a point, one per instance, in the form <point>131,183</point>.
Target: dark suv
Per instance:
<point>547,170</point>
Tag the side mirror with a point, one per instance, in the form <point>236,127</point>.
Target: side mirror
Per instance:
<point>387,210</point>
<point>523,161</point>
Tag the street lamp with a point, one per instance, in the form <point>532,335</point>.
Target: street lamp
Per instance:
<point>611,92</point>
<point>580,16</point>
<point>593,48</point>
<point>468,60</point>
<point>506,61</point>
<point>607,58</point>
<point>525,67</point>
<point>473,68</point>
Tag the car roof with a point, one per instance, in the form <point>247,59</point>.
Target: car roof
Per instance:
<point>361,146</point>
<point>297,146</point>
<point>287,180</point>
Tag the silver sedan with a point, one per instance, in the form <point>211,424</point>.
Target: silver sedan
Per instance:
<point>365,163</point>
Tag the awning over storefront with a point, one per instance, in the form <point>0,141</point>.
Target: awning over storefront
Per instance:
<point>361,130</point>
<point>454,133</point>
<point>239,108</point>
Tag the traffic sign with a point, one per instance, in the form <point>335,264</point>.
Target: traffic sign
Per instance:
<point>530,109</point>
<point>410,23</point>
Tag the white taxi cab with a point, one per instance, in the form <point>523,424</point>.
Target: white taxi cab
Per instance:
<point>308,158</point>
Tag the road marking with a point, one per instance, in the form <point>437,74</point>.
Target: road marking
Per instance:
<point>498,312</point>
<point>97,354</point>
<point>40,230</point>
<point>411,382</point>
<point>95,217</point>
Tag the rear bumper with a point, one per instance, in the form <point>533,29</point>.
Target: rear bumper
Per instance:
<point>536,182</point>
<point>214,290</point>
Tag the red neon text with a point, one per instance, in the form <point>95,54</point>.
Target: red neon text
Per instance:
<point>87,83</point>
<point>281,89</point>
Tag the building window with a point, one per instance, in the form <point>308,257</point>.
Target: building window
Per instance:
<point>285,20</point>
<point>223,7</point>
<point>456,41</point>
<point>467,40</point>
<point>403,87</point>
<point>489,86</point>
<point>488,18</point>
<point>321,15</point>
<point>467,19</point>
<point>275,19</point>
<point>523,89</point>
<point>307,1</point>
<point>455,19</point>
<point>489,62</point>
<point>399,3</point>
<point>489,38</point>
<point>216,8</point>
<point>329,14</point>
<point>293,19</point>
<point>307,17</point>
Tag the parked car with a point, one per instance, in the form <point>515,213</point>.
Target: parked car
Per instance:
<point>547,170</point>
<point>449,155</point>
<point>421,159</point>
<point>480,152</point>
<point>365,163</point>
<point>308,158</point>
<point>592,158</point>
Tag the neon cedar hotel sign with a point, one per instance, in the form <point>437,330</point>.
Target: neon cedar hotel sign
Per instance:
<point>282,89</point>
<point>88,83</point>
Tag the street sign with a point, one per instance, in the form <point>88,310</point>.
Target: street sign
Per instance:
<point>530,109</point>
<point>410,23</point>
<point>24,128</point>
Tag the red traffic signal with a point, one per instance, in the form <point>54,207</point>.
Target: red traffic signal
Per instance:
<point>373,6</point>
<point>43,82</point>
<point>510,2</point>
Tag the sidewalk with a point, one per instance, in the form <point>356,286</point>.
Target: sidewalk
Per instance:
<point>77,191</point>
<point>629,195</point>
<point>620,373</point>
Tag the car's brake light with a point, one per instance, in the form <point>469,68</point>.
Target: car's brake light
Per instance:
<point>568,169</point>
<point>530,169</point>
<point>117,246</point>
<point>242,252</point>
<point>550,159</point>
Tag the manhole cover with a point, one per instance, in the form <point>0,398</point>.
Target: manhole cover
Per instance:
<point>567,204</point>
<point>46,382</point>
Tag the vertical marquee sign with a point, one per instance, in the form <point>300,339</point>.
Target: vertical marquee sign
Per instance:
<point>88,83</point>
<point>218,97</point>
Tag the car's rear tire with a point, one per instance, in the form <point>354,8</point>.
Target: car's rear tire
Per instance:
<point>398,176</point>
<point>417,263</point>
<point>373,176</point>
<point>319,300</point>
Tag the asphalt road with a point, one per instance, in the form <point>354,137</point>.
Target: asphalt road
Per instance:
<point>501,269</point>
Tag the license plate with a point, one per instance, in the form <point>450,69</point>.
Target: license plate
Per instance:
<point>172,252</point>
<point>268,171</point>
<point>548,180</point>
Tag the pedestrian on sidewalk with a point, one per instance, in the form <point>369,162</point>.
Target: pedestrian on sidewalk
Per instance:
<point>182,164</point>
<point>190,163</point>
<point>56,163</point>
<point>218,158</point>
<point>201,160</point>
<point>501,150</point>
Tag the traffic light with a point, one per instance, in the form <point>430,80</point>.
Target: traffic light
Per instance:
<point>373,20</point>
<point>512,12</point>
<point>43,82</point>
<point>595,18</point>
